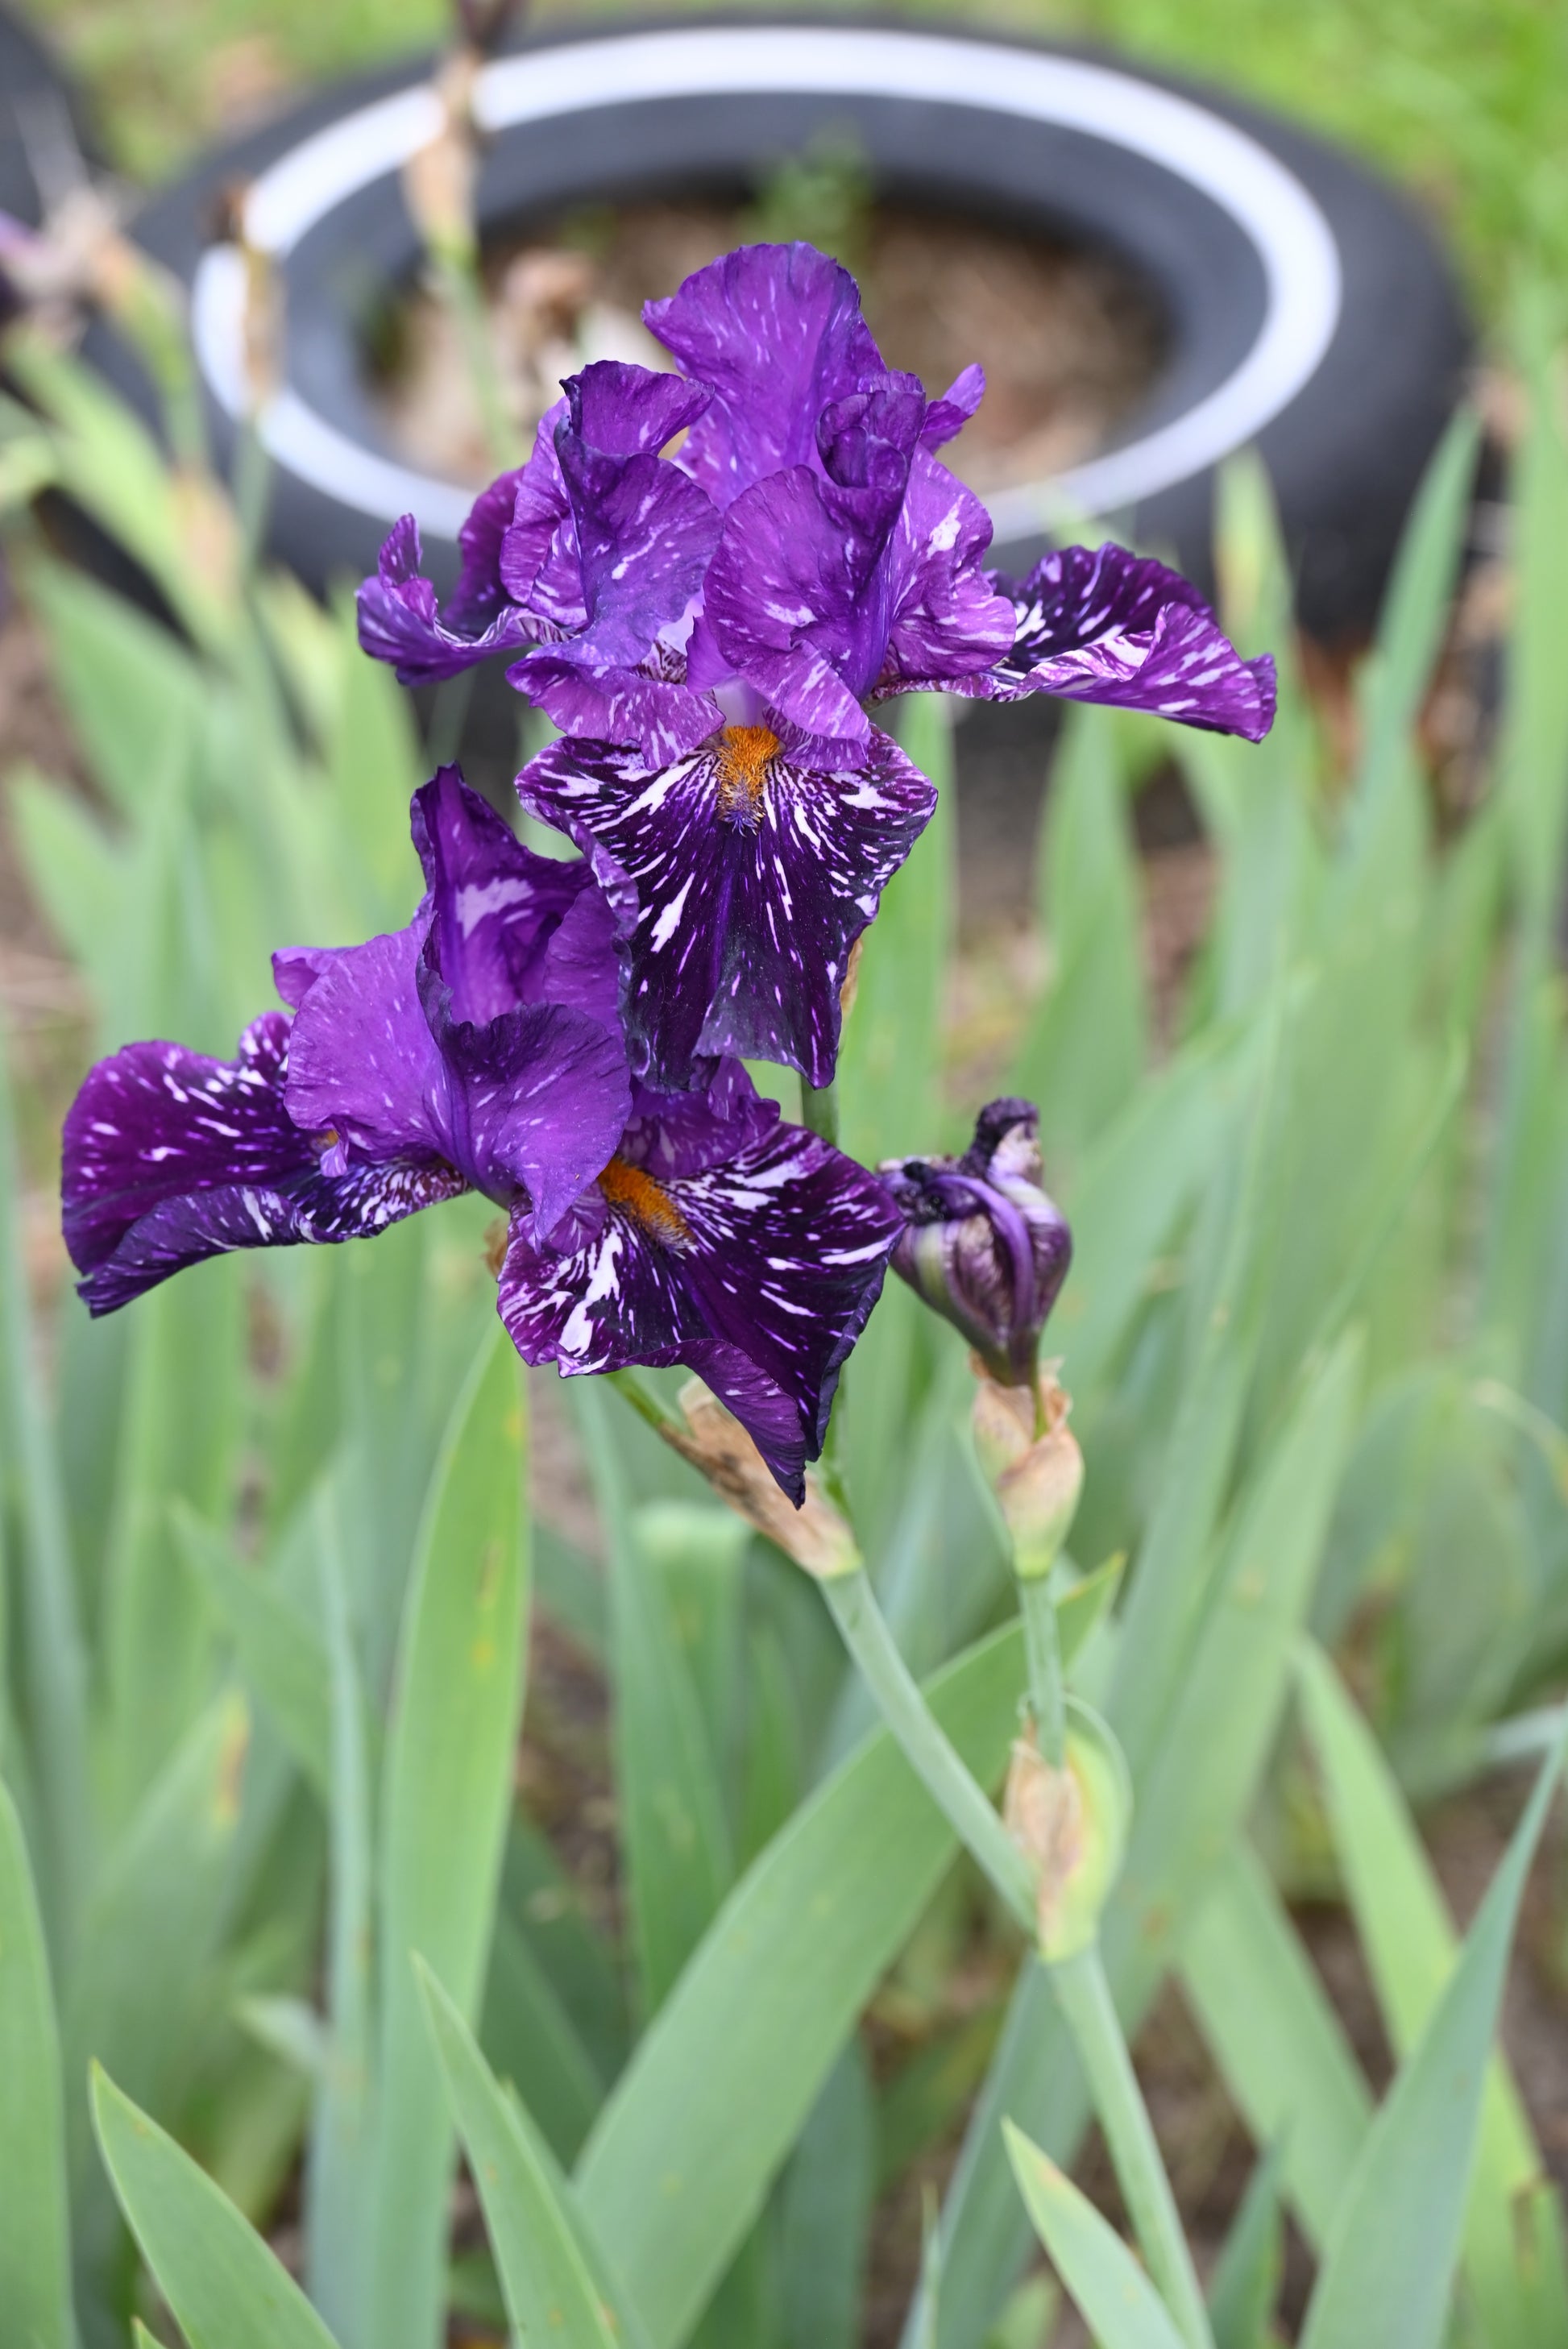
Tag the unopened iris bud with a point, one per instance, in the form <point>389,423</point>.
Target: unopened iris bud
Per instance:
<point>1070,1823</point>
<point>1032,1462</point>
<point>982,1244</point>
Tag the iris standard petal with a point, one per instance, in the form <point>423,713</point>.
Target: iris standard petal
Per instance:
<point>481,1033</point>
<point>593,547</point>
<point>537,561</point>
<point>741,878</point>
<point>535,1099</point>
<point>775,332</point>
<point>1109,626</point>
<point>824,588</point>
<point>945,418</point>
<point>643,533</point>
<point>944,617</point>
<point>171,1156</point>
<point>664,719</point>
<point>631,411</point>
<point>793,599</point>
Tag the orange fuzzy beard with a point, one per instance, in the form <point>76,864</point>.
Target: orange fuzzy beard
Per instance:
<point>746,753</point>
<point>647,1203</point>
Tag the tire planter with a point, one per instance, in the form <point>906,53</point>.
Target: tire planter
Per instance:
<point>1309,312</point>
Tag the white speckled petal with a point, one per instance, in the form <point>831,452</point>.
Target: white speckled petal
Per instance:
<point>738,890</point>
<point>170,1156</point>
<point>1119,628</point>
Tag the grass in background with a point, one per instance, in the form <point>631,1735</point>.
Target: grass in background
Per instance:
<point>1466,103</point>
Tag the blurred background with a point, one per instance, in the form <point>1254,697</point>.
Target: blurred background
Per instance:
<point>1466,106</point>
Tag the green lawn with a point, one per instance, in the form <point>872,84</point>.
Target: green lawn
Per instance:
<point>1465,100</point>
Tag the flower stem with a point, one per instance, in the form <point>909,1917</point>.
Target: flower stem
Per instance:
<point>646,1406</point>
<point>925,1744</point>
<point>1084,1996</point>
<point>1078,1982</point>
<point>463,286</point>
<point>1042,1646</point>
<point>819,1110</point>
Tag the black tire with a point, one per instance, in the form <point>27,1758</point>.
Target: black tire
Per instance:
<point>44,130</point>
<point>1311,313</point>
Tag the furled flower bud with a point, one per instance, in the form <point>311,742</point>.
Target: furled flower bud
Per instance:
<point>1033,1464</point>
<point>1070,1823</point>
<point>982,1244</point>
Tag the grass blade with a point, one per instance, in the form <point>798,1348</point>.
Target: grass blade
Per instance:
<point>336,2177</point>
<point>155,1921</point>
<point>1280,2047</point>
<point>551,2295</point>
<point>1121,2306</point>
<point>51,1634</point>
<point>1416,606</point>
<point>1389,2268</point>
<point>224,2286</point>
<point>673,1837</point>
<point>276,1645</point>
<point>1085,1047</point>
<point>179,1440</point>
<point>530,2038</point>
<point>446,1787</point>
<point>824,2208</point>
<point>35,2220</point>
<point>1246,2281</point>
<point>1412,1948</point>
<point>1169,1586</point>
<point>1206,1769</point>
<point>770,1998</point>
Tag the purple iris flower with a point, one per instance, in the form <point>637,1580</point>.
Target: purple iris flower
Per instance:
<point>707,630</point>
<point>479,1048</point>
<point>981,1243</point>
<point>585,561</point>
<point>743,872</point>
<point>721,1237</point>
<point>1109,627</point>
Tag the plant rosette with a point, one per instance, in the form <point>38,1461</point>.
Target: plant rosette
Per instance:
<point>1071,1825</point>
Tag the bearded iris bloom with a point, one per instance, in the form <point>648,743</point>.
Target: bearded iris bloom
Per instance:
<point>982,1244</point>
<point>480,1049</point>
<point>722,1238</point>
<point>848,559</point>
<point>709,626</point>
